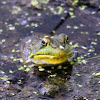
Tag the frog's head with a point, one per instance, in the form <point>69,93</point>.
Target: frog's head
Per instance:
<point>52,51</point>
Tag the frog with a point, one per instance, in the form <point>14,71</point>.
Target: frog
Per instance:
<point>47,51</point>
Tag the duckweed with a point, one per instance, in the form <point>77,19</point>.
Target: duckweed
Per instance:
<point>54,75</point>
<point>98,33</point>
<point>27,69</point>
<point>41,69</point>
<point>3,40</point>
<point>76,27</point>
<point>80,85</point>
<point>10,71</point>
<point>1,30</point>
<point>60,10</point>
<point>35,93</point>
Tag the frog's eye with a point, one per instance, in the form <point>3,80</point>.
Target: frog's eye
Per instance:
<point>67,39</point>
<point>44,42</point>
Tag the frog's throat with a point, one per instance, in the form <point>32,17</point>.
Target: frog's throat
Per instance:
<point>56,58</point>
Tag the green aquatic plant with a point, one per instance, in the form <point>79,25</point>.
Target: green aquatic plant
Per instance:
<point>38,3</point>
<point>92,57</point>
<point>74,2</point>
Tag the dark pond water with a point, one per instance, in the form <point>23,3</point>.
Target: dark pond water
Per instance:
<point>17,21</point>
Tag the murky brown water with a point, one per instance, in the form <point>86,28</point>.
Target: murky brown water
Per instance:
<point>17,22</point>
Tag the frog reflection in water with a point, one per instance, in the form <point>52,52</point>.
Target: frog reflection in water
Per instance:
<point>47,51</point>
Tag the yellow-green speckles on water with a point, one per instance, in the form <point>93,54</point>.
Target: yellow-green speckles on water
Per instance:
<point>2,72</point>
<point>73,16</point>
<point>78,74</point>
<point>41,68</point>
<point>3,40</point>
<point>79,85</point>
<point>74,45</point>
<point>82,32</point>
<point>75,2</point>
<point>25,65</point>
<point>35,93</point>
<point>81,25</point>
<point>8,82</point>
<point>4,77</point>
<point>17,50</point>
<point>45,1</point>
<point>72,62</point>
<point>16,45</point>
<point>17,59</point>
<point>1,30</point>
<point>10,71</point>
<point>99,82</point>
<point>90,50</point>
<point>31,65</point>
<point>21,68</point>
<point>96,74</point>
<point>16,9</point>
<point>94,43</point>
<point>38,14</point>
<point>68,26</point>
<point>82,7</point>
<point>12,57</point>
<point>12,28</point>
<point>60,67</point>
<point>60,10</point>
<point>84,47</point>
<point>71,13</point>
<point>98,33</point>
<point>36,4</point>
<point>71,9</point>
<point>26,14</point>
<point>76,27</point>
<point>52,67</point>
<point>81,60</point>
<point>64,67</point>
<point>16,23</point>
<point>6,23</point>
<point>27,69</point>
<point>19,82</point>
<point>13,50</point>
<point>27,25</point>
<point>53,75</point>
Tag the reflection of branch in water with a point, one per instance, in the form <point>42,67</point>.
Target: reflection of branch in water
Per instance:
<point>66,16</point>
<point>92,57</point>
<point>60,23</point>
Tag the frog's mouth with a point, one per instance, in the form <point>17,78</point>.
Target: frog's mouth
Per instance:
<point>50,56</point>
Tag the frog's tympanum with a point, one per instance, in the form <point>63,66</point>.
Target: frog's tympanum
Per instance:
<point>47,51</point>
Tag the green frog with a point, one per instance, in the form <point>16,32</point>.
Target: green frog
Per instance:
<point>47,51</point>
